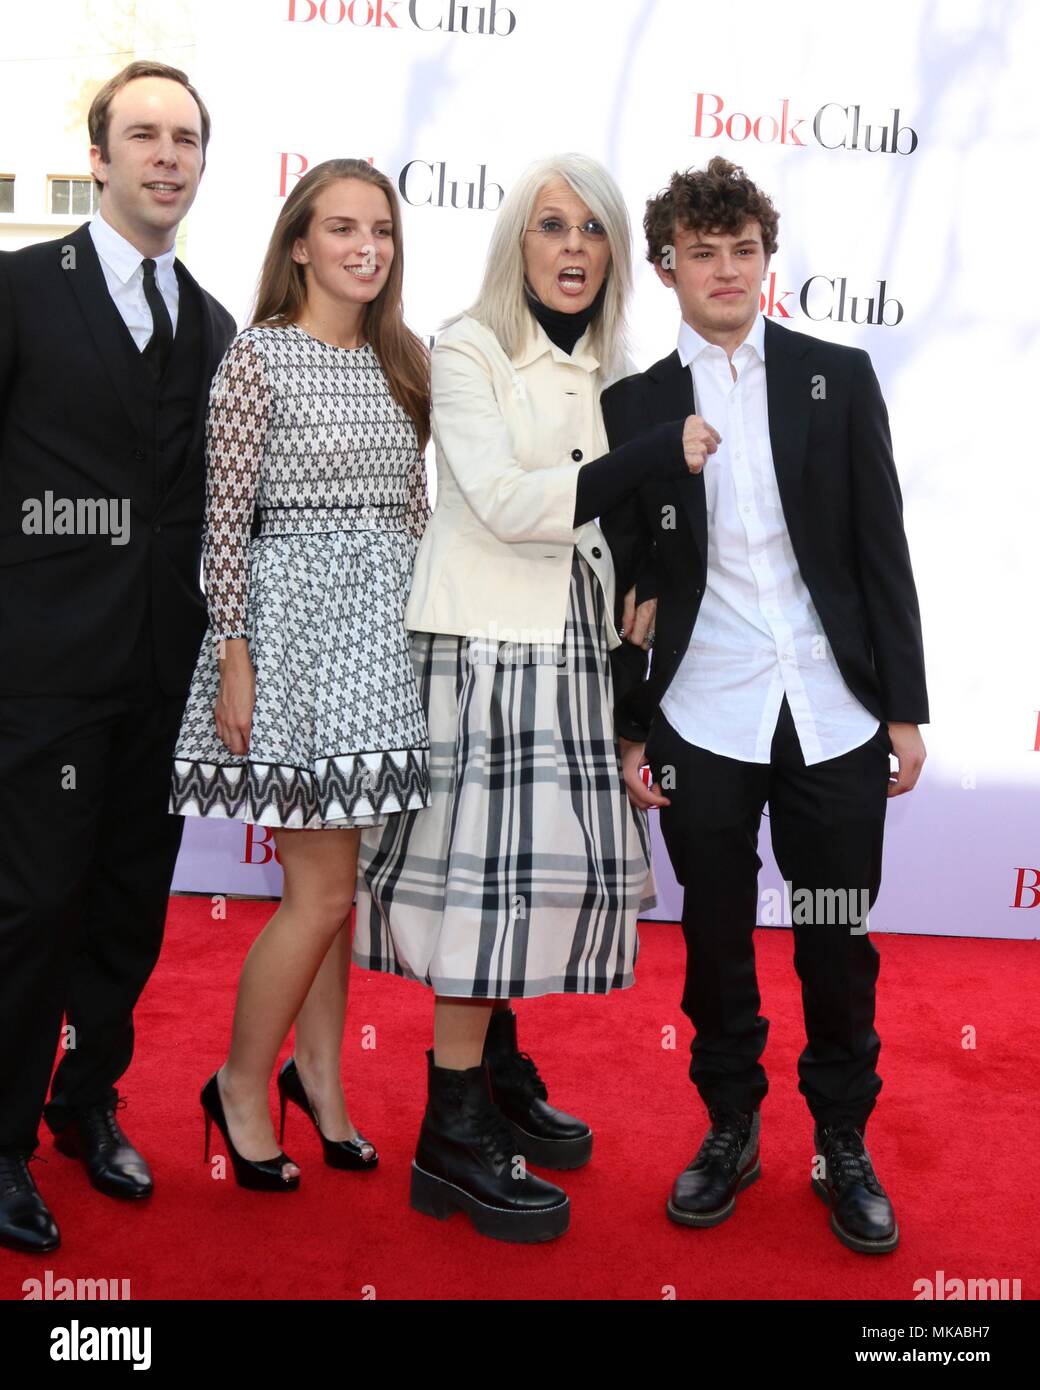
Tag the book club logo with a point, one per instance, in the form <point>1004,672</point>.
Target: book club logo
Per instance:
<point>833,127</point>
<point>828,299</point>
<point>431,16</point>
<point>421,183</point>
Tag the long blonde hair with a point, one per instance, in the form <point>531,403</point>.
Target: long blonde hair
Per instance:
<point>501,304</point>
<point>282,294</point>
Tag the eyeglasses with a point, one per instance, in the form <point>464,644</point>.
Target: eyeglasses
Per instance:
<point>552,229</point>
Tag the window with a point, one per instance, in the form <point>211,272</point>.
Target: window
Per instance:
<point>74,197</point>
<point>6,193</point>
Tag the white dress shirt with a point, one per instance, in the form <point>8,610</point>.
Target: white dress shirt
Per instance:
<point>121,263</point>
<point>757,636</point>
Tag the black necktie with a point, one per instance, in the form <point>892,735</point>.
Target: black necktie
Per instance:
<point>157,349</point>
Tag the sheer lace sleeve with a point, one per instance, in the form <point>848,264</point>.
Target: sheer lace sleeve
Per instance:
<point>417,515</point>
<point>236,434</point>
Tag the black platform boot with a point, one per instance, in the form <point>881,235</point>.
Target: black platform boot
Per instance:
<point>545,1136</point>
<point>466,1160</point>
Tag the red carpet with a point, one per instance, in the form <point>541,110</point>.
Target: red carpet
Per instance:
<point>952,1139</point>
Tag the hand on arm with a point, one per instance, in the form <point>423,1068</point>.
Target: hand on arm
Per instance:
<point>665,451</point>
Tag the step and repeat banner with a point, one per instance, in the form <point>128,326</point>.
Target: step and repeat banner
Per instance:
<point>899,143</point>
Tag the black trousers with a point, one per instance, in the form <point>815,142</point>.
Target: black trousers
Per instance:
<point>87,853</point>
<point>827,824</point>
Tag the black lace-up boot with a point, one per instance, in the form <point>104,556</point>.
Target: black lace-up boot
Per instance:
<point>705,1193</point>
<point>466,1160</point>
<point>547,1137</point>
<point>861,1214</point>
<point>25,1219</point>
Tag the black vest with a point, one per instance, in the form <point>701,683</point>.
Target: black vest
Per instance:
<point>172,402</point>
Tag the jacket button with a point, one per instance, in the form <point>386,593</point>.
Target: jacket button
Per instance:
<point>577,455</point>
<point>156,528</point>
<point>597,554</point>
<point>139,454</point>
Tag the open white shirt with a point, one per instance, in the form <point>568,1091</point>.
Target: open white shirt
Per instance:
<point>121,264</point>
<point>757,636</point>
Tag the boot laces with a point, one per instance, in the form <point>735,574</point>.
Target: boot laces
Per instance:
<point>518,1069</point>
<point>14,1171</point>
<point>726,1139</point>
<point>496,1138</point>
<point>102,1124</point>
<point>847,1159</point>
<point>493,1134</point>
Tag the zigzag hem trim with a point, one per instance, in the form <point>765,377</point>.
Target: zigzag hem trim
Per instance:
<point>347,791</point>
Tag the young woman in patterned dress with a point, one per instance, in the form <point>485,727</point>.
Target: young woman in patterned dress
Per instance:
<point>303,713</point>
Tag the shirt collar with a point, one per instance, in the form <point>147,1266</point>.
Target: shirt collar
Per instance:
<point>121,257</point>
<point>691,344</point>
<point>538,343</point>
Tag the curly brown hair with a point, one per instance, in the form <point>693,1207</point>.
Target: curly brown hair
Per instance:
<point>720,198</point>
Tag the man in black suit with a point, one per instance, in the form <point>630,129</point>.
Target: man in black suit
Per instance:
<point>787,665</point>
<point>107,348</point>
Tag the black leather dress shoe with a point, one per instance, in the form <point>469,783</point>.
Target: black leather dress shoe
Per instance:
<point>25,1219</point>
<point>113,1164</point>
<point>547,1137</point>
<point>861,1214</point>
<point>705,1193</point>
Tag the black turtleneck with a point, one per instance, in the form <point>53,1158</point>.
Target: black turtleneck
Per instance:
<point>562,328</point>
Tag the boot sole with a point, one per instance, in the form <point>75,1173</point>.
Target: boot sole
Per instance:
<point>560,1154</point>
<point>857,1243</point>
<point>712,1218</point>
<point>439,1198</point>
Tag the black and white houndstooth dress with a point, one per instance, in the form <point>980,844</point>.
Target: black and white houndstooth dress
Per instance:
<point>310,433</point>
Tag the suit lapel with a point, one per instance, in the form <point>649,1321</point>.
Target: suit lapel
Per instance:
<point>189,285</point>
<point>789,387</point>
<point>87,282</point>
<point>675,400</point>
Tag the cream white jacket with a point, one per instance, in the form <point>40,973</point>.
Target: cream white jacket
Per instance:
<point>511,436</point>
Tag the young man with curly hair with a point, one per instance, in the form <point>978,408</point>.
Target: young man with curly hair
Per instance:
<point>788,666</point>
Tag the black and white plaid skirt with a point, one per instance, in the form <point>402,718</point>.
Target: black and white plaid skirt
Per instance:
<point>527,872</point>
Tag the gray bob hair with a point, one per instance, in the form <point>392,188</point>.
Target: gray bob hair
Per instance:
<point>501,305</point>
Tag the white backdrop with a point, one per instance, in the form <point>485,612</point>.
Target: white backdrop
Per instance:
<point>452,100</point>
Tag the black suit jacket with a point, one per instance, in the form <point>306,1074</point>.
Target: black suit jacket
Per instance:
<point>73,422</point>
<point>828,429</point>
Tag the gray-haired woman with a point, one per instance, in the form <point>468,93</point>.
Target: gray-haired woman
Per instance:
<point>527,873</point>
